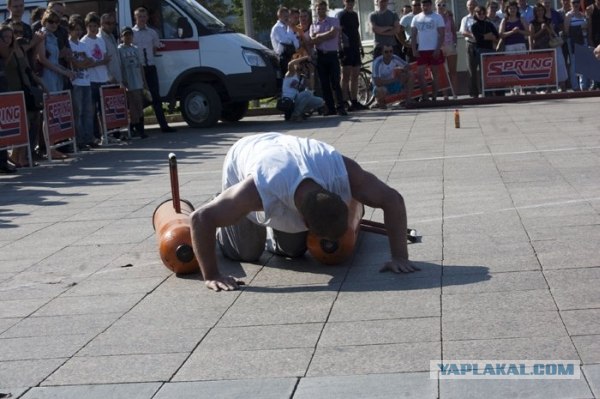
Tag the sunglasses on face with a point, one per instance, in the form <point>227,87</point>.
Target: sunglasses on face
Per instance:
<point>388,52</point>
<point>443,5</point>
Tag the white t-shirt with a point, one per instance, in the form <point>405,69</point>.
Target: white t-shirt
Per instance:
<point>427,29</point>
<point>278,164</point>
<point>290,87</point>
<point>81,51</point>
<point>99,73</point>
<point>386,71</point>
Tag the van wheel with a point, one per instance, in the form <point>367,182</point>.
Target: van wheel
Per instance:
<point>200,105</point>
<point>233,112</point>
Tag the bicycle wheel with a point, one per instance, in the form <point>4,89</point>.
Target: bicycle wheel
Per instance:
<point>365,88</point>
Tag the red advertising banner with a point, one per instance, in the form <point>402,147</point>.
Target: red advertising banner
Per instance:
<point>443,83</point>
<point>13,120</point>
<point>114,108</point>
<point>535,68</point>
<point>58,113</point>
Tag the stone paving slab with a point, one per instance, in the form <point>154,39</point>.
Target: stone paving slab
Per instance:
<point>508,206</point>
<point>264,388</point>
<point>380,386</point>
<point>113,391</point>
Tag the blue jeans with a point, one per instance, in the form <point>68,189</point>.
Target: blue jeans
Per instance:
<point>83,112</point>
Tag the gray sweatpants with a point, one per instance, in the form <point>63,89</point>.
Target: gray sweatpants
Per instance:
<point>245,241</point>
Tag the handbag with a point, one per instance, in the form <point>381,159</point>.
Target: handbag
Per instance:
<point>556,41</point>
<point>285,104</point>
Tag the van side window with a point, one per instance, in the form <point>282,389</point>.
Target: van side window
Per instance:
<point>165,19</point>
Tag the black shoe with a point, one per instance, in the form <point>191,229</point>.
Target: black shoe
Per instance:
<point>329,113</point>
<point>356,106</point>
<point>6,168</point>
<point>83,147</point>
<point>168,129</point>
<point>341,111</point>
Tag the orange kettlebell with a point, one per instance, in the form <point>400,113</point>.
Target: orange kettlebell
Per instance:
<point>333,252</point>
<point>171,221</point>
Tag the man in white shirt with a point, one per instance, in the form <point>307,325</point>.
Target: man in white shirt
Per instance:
<point>107,23</point>
<point>278,188</point>
<point>146,39</point>
<point>391,75</point>
<point>428,29</point>
<point>283,39</point>
<point>405,31</point>
<point>472,58</point>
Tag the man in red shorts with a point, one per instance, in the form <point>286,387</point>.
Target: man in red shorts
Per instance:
<point>428,27</point>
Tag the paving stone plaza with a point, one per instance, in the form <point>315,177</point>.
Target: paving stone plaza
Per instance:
<point>509,210</point>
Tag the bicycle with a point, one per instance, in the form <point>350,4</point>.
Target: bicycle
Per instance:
<point>365,83</point>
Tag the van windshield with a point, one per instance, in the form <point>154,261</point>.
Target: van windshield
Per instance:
<point>203,16</point>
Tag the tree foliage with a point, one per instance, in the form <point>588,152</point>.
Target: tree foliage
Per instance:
<point>264,12</point>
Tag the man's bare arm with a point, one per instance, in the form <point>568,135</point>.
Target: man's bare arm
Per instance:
<point>371,191</point>
<point>225,210</point>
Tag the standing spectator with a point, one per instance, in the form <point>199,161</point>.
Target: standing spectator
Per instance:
<point>83,105</point>
<point>107,23</point>
<point>593,12</point>
<point>17,8</point>
<point>352,52</point>
<point>404,35</point>
<point>18,77</point>
<point>566,7</point>
<point>472,60</point>
<point>485,34</point>
<point>557,23</point>
<point>492,13</point>
<point>385,24</point>
<point>449,46</point>
<point>61,33</point>
<point>133,80</point>
<point>576,31</point>
<point>48,54</point>
<point>98,72</point>
<point>308,46</point>
<point>5,166</point>
<point>428,28</point>
<point>525,10</point>
<point>540,29</point>
<point>391,75</point>
<point>36,15</point>
<point>283,39</point>
<point>146,40</point>
<point>324,33</point>
<point>513,29</point>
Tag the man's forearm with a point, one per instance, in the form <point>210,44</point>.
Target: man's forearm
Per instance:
<point>203,242</point>
<point>395,224</point>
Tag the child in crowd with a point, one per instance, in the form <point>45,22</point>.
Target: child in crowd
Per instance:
<point>293,87</point>
<point>133,80</point>
<point>98,72</point>
<point>83,107</point>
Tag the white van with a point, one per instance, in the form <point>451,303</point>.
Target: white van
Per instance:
<point>212,71</point>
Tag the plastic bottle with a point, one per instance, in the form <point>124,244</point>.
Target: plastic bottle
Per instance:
<point>456,119</point>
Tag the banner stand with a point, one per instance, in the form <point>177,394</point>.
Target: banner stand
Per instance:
<point>443,83</point>
<point>527,69</point>
<point>58,121</point>
<point>14,126</point>
<point>115,113</point>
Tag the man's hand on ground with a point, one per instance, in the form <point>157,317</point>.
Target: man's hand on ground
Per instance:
<point>399,266</point>
<point>225,283</point>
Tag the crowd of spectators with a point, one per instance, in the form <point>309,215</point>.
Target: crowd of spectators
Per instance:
<point>425,32</point>
<point>59,52</point>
